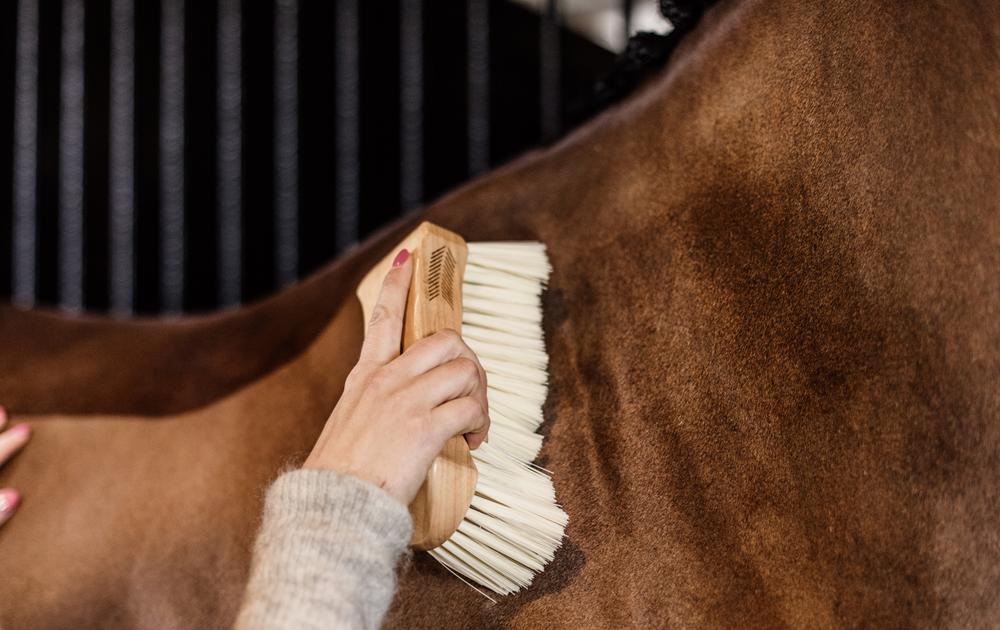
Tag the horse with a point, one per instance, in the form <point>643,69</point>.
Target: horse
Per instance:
<point>774,344</point>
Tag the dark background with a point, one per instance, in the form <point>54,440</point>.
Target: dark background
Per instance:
<point>538,74</point>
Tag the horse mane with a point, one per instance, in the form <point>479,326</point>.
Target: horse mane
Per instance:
<point>644,55</point>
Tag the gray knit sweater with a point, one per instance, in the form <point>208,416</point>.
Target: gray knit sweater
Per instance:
<point>326,554</point>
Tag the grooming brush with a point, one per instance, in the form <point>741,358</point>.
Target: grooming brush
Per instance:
<point>490,515</point>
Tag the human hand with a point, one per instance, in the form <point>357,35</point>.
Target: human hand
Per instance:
<point>398,410</point>
<point>11,442</point>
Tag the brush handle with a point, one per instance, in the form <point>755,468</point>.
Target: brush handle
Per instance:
<point>434,303</point>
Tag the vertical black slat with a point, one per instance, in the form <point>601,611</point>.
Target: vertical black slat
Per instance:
<point>411,88</point>
<point>147,158</point>
<point>514,79</point>
<point>25,153</point>
<point>445,94</point>
<point>380,148</point>
<point>550,63</point>
<point>317,68</point>
<point>96,141</point>
<point>47,182</point>
<point>8,64</point>
<point>229,124</point>
<point>121,187</point>
<point>347,140</point>
<point>201,135</point>
<point>286,141</point>
<point>71,246</point>
<point>478,59</point>
<point>259,149</point>
<point>172,176</point>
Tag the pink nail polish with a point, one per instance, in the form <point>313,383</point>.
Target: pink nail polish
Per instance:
<point>8,500</point>
<point>400,258</point>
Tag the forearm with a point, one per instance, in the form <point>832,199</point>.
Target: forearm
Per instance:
<point>325,555</point>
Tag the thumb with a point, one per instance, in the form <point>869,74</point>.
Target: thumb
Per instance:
<point>385,330</point>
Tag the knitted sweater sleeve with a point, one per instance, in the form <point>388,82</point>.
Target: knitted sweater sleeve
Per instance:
<point>326,554</point>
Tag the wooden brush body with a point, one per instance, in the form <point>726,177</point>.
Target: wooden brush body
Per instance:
<point>434,303</point>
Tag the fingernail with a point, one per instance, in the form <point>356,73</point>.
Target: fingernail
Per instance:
<point>400,258</point>
<point>8,500</point>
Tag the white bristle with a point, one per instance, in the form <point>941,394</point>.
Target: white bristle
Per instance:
<point>508,347</point>
<point>521,371</point>
<point>500,345</point>
<point>513,385</point>
<point>492,294</point>
<point>512,438</point>
<point>502,280</point>
<point>514,525</point>
<point>498,323</point>
<point>515,407</point>
<point>528,313</point>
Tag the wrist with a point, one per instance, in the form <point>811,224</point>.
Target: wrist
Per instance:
<point>345,467</point>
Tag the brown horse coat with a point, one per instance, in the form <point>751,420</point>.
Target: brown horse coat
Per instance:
<point>774,325</point>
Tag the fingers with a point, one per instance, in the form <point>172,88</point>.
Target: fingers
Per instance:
<point>456,392</point>
<point>9,500</point>
<point>12,440</point>
<point>447,370</point>
<point>442,372</point>
<point>430,352</point>
<point>385,330</point>
<point>466,416</point>
<point>455,379</point>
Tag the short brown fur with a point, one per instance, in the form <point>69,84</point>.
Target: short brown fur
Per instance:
<point>775,344</point>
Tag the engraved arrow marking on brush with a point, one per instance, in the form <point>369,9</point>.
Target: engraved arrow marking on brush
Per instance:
<point>441,275</point>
